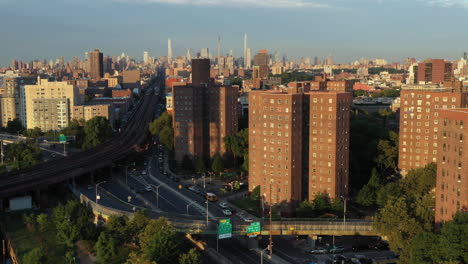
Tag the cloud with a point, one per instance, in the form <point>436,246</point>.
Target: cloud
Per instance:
<point>447,3</point>
<point>239,3</point>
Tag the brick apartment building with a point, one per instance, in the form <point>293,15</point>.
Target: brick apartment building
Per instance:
<point>433,71</point>
<point>452,166</point>
<point>203,114</point>
<point>419,121</point>
<point>299,143</point>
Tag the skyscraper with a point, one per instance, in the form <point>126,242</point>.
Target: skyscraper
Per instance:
<point>261,61</point>
<point>245,52</point>
<point>249,59</point>
<point>188,56</point>
<point>204,53</point>
<point>169,51</point>
<point>145,57</point>
<point>96,68</point>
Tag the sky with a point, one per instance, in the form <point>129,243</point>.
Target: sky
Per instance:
<point>345,29</point>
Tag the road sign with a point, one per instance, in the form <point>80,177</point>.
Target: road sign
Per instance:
<point>62,138</point>
<point>253,229</point>
<point>224,229</point>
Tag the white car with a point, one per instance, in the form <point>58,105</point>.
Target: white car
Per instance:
<point>227,212</point>
<point>148,189</point>
<point>143,173</point>
<point>224,205</point>
<point>248,219</point>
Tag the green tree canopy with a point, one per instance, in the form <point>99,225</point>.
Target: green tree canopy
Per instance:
<point>35,256</point>
<point>200,166</point>
<point>72,221</point>
<point>156,127</point>
<point>97,130</point>
<point>217,164</point>
<point>167,137</point>
<point>106,247</point>
<point>14,126</point>
<point>191,257</point>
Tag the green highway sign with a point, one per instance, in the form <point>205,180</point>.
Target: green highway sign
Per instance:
<point>253,229</point>
<point>224,229</point>
<point>62,138</point>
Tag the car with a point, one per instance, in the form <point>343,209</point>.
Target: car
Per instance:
<point>165,173</point>
<point>160,159</point>
<point>90,187</point>
<point>337,249</point>
<point>248,219</point>
<point>227,212</point>
<point>148,189</point>
<point>143,173</point>
<point>319,250</point>
<point>223,205</point>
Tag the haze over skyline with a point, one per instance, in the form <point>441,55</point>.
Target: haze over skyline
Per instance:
<point>298,28</point>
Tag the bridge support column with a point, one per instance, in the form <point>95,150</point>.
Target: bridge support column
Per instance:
<point>312,240</point>
<point>37,197</point>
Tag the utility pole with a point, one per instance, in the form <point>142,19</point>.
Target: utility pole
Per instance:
<point>207,212</point>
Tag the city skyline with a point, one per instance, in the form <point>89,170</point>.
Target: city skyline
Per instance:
<point>304,29</point>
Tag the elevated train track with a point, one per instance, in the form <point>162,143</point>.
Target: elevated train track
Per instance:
<point>63,169</point>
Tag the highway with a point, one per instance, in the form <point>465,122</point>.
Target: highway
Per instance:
<point>63,169</point>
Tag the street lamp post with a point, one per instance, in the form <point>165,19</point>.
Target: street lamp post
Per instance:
<point>97,185</point>
<point>261,254</point>
<point>157,195</point>
<point>206,211</point>
<point>204,181</point>
<point>344,210</point>
<point>1,150</point>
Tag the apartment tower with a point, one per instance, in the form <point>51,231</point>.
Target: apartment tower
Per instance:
<point>419,121</point>
<point>96,68</point>
<point>452,166</point>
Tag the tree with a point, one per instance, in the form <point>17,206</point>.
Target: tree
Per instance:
<point>35,256</point>
<point>367,196</point>
<point>200,165</point>
<point>453,243</point>
<point>23,154</point>
<point>43,222</point>
<point>217,164</point>
<point>387,150</point>
<point>357,93</point>
<point>156,127</point>
<point>117,225</point>
<point>423,247</point>
<point>70,257</point>
<point>191,257</point>
<point>136,225</point>
<point>72,222</point>
<point>321,202</point>
<point>158,242</point>
<point>337,205</point>
<point>14,126</point>
<point>106,247</point>
<point>33,133</point>
<point>97,130</point>
<point>167,137</point>
<point>75,128</point>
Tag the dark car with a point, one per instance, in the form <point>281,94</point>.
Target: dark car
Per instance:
<point>360,247</point>
<point>382,245</point>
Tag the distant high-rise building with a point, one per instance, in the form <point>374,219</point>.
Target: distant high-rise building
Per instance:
<point>146,57</point>
<point>200,72</point>
<point>11,98</point>
<point>96,68</point>
<point>169,51</point>
<point>248,65</point>
<point>204,53</point>
<point>188,56</point>
<point>329,60</point>
<point>452,165</point>
<point>419,121</point>
<point>261,61</point>
<point>465,56</point>
<point>245,52</point>
<point>434,71</point>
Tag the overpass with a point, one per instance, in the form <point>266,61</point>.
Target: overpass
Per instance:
<point>67,168</point>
